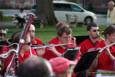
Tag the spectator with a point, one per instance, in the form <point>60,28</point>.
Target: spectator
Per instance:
<point>62,67</point>
<point>34,67</point>
<point>111,12</point>
<point>21,17</point>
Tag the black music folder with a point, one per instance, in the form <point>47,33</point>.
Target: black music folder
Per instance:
<point>85,61</point>
<point>71,53</point>
<point>80,39</point>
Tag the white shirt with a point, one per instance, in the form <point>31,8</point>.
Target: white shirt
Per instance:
<point>22,14</point>
<point>111,16</point>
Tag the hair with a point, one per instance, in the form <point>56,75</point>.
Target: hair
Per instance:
<point>90,25</point>
<point>109,30</point>
<point>111,2</point>
<point>33,67</point>
<point>21,9</point>
<point>15,37</point>
<point>63,28</point>
<point>61,24</point>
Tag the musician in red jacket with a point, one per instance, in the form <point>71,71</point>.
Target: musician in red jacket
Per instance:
<point>25,52</point>
<point>106,59</point>
<point>3,46</point>
<point>93,41</point>
<point>35,41</point>
<point>91,44</point>
<point>63,37</point>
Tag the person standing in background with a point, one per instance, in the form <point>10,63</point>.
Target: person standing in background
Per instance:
<point>21,17</point>
<point>111,13</point>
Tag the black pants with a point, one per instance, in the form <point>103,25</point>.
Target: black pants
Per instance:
<point>21,21</point>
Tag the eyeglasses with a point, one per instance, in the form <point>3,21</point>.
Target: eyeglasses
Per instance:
<point>95,30</point>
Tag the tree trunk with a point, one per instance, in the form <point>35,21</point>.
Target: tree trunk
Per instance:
<point>45,12</point>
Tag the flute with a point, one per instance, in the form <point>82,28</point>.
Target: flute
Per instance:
<point>106,47</point>
<point>37,47</point>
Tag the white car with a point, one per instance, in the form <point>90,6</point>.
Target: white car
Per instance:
<point>64,9</point>
<point>72,12</point>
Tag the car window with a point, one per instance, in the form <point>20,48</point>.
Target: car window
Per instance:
<point>62,7</point>
<point>76,8</point>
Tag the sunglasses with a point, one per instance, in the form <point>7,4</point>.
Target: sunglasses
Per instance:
<point>96,30</point>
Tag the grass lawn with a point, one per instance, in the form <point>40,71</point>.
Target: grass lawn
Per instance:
<point>48,32</point>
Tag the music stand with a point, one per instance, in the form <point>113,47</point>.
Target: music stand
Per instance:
<point>85,61</point>
<point>71,53</point>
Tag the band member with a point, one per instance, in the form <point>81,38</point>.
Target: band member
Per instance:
<point>93,41</point>
<point>63,37</point>
<point>35,41</point>
<point>91,44</point>
<point>25,52</point>
<point>3,45</point>
<point>106,59</point>
<point>3,41</point>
